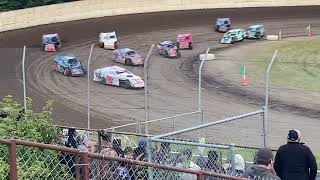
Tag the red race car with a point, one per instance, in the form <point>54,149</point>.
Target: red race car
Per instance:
<point>184,41</point>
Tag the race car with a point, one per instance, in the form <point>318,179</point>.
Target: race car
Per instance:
<point>184,41</point>
<point>108,40</point>
<point>223,24</point>
<point>255,32</point>
<point>69,65</point>
<point>233,36</point>
<point>50,42</point>
<point>127,56</point>
<point>168,49</point>
<point>117,76</point>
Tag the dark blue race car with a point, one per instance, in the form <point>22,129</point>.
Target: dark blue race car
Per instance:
<point>223,24</point>
<point>69,65</point>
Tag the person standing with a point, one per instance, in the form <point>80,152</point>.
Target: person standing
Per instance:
<point>262,169</point>
<point>294,160</point>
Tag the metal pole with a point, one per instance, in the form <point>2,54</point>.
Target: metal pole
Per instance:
<point>232,158</point>
<point>146,90</point>
<point>24,79</point>
<point>200,91</point>
<point>149,156</point>
<point>88,85</point>
<point>265,119</point>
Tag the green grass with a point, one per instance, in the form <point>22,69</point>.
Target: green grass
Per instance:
<point>296,66</point>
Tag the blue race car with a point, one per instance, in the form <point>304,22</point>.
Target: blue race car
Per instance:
<point>255,32</point>
<point>50,42</point>
<point>69,65</point>
<point>233,36</point>
<point>168,49</point>
<point>223,24</point>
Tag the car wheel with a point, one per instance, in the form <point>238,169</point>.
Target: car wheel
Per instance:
<point>67,72</point>
<point>178,45</point>
<point>166,54</point>
<point>116,45</point>
<point>103,81</point>
<point>190,46</point>
<point>125,84</point>
<point>178,54</point>
<point>101,45</point>
<point>233,41</point>
<point>128,62</point>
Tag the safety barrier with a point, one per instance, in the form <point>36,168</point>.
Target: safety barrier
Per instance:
<point>99,8</point>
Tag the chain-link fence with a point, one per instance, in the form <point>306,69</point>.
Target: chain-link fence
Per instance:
<point>30,160</point>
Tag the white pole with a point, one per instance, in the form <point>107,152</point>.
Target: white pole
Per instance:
<point>146,91</point>
<point>88,85</point>
<point>265,119</point>
<point>200,85</point>
<point>24,79</point>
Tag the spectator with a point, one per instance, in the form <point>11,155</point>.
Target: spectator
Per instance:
<point>68,158</point>
<point>116,145</point>
<point>239,165</point>
<point>82,142</point>
<point>140,152</point>
<point>106,145</point>
<point>163,154</point>
<point>263,166</point>
<point>187,163</point>
<point>213,163</point>
<point>125,170</point>
<point>294,160</point>
<point>201,162</point>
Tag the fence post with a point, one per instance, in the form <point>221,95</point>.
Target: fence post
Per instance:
<point>76,166</point>
<point>13,160</point>
<point>85,159</point>
<point>232,158</point>
<point>24,79</point>
<point>199,175</point>
<point>263,127</point>
<point>149,155</point>
<point>88,87</point>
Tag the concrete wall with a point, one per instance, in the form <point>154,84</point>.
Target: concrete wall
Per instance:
<point>98,8</point>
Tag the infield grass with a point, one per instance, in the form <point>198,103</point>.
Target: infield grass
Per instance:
<point>296,66</point>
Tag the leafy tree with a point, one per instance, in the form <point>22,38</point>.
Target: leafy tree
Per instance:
<point>6,5</point>
<point>33,163</point>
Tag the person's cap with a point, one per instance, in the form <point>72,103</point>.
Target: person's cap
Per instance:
<point>239,162</point>
<point>294,135</point>
<point>264,155</point>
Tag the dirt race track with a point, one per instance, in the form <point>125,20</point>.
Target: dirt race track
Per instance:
<point>173,82</point>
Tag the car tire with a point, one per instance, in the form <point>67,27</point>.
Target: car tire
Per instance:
<point>128,62</point>
<point>233,41</point>
<point>166,54</point>
<point>190,46</point>
<point>67,72</point>
<point>178,54</point>
<point>116,45</point>
<point>103,81</point>
<point>125,84</point>
<point>101,45</point>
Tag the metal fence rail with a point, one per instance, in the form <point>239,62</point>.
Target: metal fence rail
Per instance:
<point>84,165</point>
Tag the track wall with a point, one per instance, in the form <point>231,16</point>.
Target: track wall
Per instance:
<point>99,8</point>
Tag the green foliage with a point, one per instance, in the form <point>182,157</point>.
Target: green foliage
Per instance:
<point>33,163</point>
<point>6,5</point>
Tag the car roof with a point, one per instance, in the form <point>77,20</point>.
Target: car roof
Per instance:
<point>184,35</point>
<point>223,19</point>
<point>236,30</point>
<point>50,35</point>
<point>256,26</point>
<point>113,68</point>
<point>126,49</point>
<point>108,33</point>
<point>167,42</point>
<point>67,57</point>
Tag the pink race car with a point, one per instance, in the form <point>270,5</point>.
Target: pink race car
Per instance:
<point>184,41</point>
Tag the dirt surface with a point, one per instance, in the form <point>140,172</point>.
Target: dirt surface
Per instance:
<point>173,82</point>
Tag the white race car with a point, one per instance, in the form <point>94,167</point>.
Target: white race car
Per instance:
<point>117,76</point>
<point>108,40</point>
